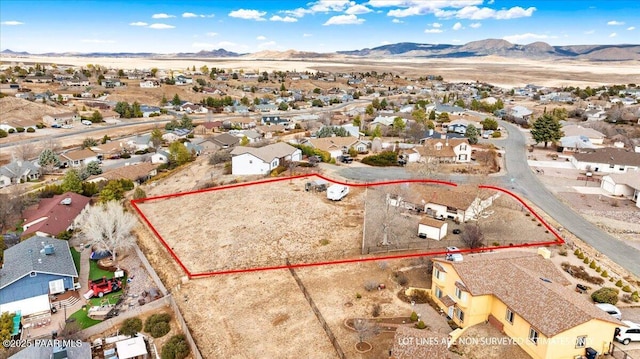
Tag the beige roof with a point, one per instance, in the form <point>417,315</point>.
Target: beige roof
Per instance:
<point>630,178</point>
<point>574,130</point>
<point>457,198</point>
<point>611,156</point>
<point>531,287</point>
<point>430,147</point>
<point>79,155</point>
<point>109,147</point>
<point>131,172</point>
<point>412,343</point>
<point>266,153</point>
<point>432,222</point>
<point>333,143</point>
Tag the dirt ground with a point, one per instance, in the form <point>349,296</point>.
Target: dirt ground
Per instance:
<point>275,221</point>
<point>472,347</point>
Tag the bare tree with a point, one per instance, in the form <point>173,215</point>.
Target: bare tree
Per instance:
<point>365,329</point>
<point>25,151</point>
<point>50,143</point>
<point>472,236</point>
<point>108,227</point>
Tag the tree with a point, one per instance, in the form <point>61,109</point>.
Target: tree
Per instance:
<point>186,122</point>
<point>91,169</point>
<point>489,124</point>
<point>419,115</point>
<point>105,139</point>
<point>432,115</point>
<point>546,129</point>
<point>369,111</point>
<point>131,326</point>
<point>443,117</point>
<point>89,142</point>
<point>164,101</point>
<point>139,193</point>
<point>176,348</point>
<point>384,104</point>
<point>25,151</point>
<point>365,329</point>
<point>154,71</point>
<point>96,116</point>
<point>283,106</point>
<point>398,124</point>
<point>3,133</point>
<point>71,182</point>
<point>108,227</point>
<point>179,153</point>
<point>357,121</point>
<point>377,132</point>
<point>156,137</point>
<point>48,160</point>
<point>472,236</point>
<point>472,134</point>
<point>328,131</point>
<point>244,141</point>
<point>176,100</point>
<point>606,295</point>
<point>112,191</point>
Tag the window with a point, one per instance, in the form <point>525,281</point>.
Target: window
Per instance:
<point>533,336</point>
<point>460,315</point>
<point>438,293</point>
<point>250,161</point>
<point>509,316</point>
<point>460,294</point>
<point>581,341</point>
<point>612,165</point>
<point>436,273</point>
<point>463,147</point>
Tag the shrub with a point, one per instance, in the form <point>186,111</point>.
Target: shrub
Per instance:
<point>376,310</point>
<point>125,155</point>
<point>414,317</point>
<point>31,130</point>
<point>604,273</point>
<point>176,348</point>
<point>496,134</point>
<point>592,265</point>
<point>598,269</point>
<point>131,326</point>
<point>11,130</point>
<point>635,296</point>
<point>158,325</point>
<point>626,289</point>
<point>421,325</point>
<point>370,285</point>
<point>586,260</point>
<point>387,158</point>
<point>580,255</point>
<point>562,252</point>
<point>139,193</point>
<point>401,278</point>
<point>19,129</point>
<point>605,295</point>
<point>576,252</point>
<point>3,133</point>
<point>619,283</point>
<point>278,170</point>
<point>358,295</point>
<point>40,125</point>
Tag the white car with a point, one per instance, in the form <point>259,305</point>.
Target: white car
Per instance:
<point>629,334</point>
<point>67,126</point>
<point>454,257</point>
<point>87,122</point>
<point>611,309</point>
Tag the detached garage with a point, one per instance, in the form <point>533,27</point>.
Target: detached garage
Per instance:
<point>432,229</point>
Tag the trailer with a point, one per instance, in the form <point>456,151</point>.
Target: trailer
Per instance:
<point>337,192</point>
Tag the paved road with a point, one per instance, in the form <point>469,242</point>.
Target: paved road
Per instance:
<point>520,179</point>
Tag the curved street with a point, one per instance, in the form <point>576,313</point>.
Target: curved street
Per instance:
<point>520,179</point>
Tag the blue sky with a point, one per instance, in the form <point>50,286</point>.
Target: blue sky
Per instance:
<point>320,26</point>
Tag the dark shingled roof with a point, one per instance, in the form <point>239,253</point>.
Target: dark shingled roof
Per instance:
<point>610,156</point>
<point>23,258</point>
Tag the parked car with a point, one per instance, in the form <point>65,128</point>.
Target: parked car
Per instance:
<point>611,309</point>
<point>87,122</point>
<point>345,159</point>
<point>56,125</point>
<point>456,231</point>
<point>629,334</point>
<point>454,257</point>
<point>67,126</point>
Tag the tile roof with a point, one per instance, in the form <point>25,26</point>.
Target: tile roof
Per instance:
<point>412,343</point>
<point>131,172</point>
<point>79,154</point>
<point>26,257</point>
<point>267,153</point>
<point>530,286</point>
<point>58,216</point>
<point>611,156</point>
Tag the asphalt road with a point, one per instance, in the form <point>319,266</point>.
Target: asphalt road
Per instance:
<point>521,180</point>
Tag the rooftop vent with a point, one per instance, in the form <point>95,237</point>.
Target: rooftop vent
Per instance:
<point>66,201</point>
<point>48,249</point>
<point>545,280</point>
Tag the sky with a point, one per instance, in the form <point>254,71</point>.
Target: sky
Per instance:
<point>319,26</point>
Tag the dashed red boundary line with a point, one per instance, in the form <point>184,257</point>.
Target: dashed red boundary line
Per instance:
<point>134,204</point>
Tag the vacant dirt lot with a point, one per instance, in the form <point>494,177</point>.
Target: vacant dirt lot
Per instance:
<point>258,225</point>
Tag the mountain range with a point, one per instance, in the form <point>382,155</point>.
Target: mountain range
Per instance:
<point>496,47</point>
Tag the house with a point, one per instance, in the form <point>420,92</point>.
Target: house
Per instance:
<point>526,297</point>
<point>80,350</point>
<point>137,172</point>
<point>383,122</point>
<point>239,123</point>
<point>336,146</point>
<point>608,160</point>
<point>160,157</point>
<point>274,120</point>
<point>265,108</point>
<point>267,131</point>
<point>51,216</point>
<point>207,127</point>
<point>32,270</point>
<point>454,150</point>
<point>595,137</point>
<point>412,343</point>
<point>78,158</point>
<point>576,143</point>
<point>109,149</point>
<point>520,112</point>
<point>132,348</point>
<point>110,83</point>
<point>623,185</point>
<point>432,228</point>
<point>8,124</point>
<point>224,141</point>
<point>252,135</point>
<point>193,148</point>
<point>66,118</point>
<point>262,160</point>
<point>595,114</point>
<point>140,142</point>
<point>18,171</point>
<point>149,84</point>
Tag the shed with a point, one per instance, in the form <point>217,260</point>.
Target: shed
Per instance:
<point>132,348</point>
<point>432,229</point>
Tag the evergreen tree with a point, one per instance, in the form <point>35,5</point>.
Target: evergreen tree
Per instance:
<point>72,182</point>
<point>546,129</point>
<point>472,134</point>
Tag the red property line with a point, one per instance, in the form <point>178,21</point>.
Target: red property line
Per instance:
<point>135,202</point>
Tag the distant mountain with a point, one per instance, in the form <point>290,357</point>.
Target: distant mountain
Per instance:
<point>488,47</point>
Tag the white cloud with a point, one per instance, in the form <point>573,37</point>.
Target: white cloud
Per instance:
<point>344,20</point>
<point>615,23</point>
<point>261,38</point>
<point>307,35</point>
<point>161,16</point>
<point>325,6</point>
<point>97,41</point>
<point>138,23</point>
<point>432,31</point>
<point>421,7</point>
<point>357,9</point>
<point>283,19</point>
<point>613,34</point>
<point>190,14</point>
<point>248,14</point>
<point>631,28</point>
<point>519,38</point>
<point>490,2</point>
<point>12,23</point>
<point>475,25</point>
<point>267,44</point>
<point>436,25</point>
<point>397,21</point>
<point>211,34</point>
<point>590,32</point>
<point>457,26</point>
<point>161,26</point>
<point>476,13</point>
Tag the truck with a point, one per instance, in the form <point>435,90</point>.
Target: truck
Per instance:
<point>337,192</point>
<point>102,286</point>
